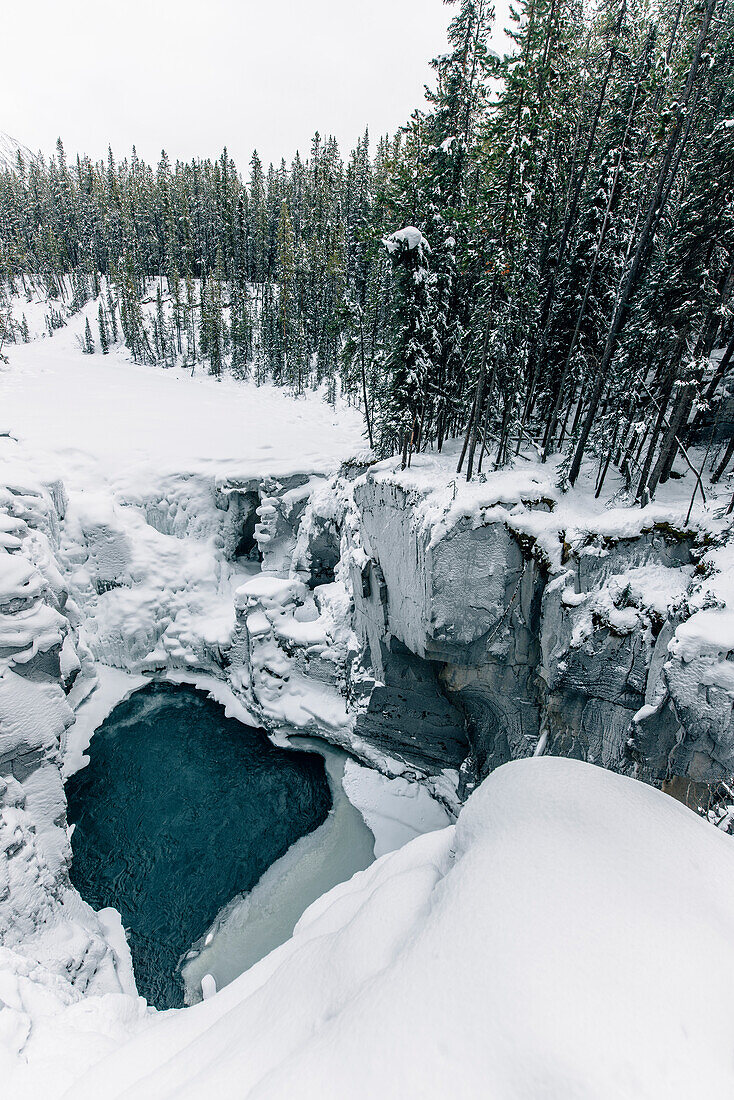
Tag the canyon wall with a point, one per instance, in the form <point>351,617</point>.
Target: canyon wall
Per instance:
<point>607,640</point>
<point>465,627</point>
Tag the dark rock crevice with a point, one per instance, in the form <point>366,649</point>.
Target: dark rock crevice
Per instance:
<point>409,715</point>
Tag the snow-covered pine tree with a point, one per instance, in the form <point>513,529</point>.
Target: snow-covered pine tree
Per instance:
<point>88,339</point>
<point>408,365</point>
<point>104,341</point>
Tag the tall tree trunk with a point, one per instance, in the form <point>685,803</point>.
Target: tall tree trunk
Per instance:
<point>728,454</point>
<point>666,175</point>
<point>473,425</point>
<point>571,213</point>
<point>553,421</point>
<point>670,439</point>
<point>720,370</point>
<point>364,380</point>
<point>660,420</point>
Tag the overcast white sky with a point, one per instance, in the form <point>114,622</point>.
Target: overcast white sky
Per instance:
<point>193,77</point>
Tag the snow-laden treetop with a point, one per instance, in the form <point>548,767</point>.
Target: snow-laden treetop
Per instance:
<point>409,239</point>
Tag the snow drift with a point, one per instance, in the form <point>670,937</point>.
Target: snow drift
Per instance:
<point>569,937</point>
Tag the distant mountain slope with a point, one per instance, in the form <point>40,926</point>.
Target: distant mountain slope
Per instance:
<point>9,149</point>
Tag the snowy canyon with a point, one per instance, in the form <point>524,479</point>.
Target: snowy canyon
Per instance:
<point>155,526</point>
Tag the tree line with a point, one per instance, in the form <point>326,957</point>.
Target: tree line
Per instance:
<point>542,258</point>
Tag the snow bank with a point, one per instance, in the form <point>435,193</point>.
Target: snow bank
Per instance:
<point>569,937</point>
<point>395,809</point>
<point>56,954</point>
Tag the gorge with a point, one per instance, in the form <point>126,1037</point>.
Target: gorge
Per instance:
<point>367,551</point>
<point>429,629</point>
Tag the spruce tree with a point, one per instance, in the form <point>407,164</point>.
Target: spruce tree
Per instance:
<point>88,341</point>
<point>104,342</point>
<point>409,363</point>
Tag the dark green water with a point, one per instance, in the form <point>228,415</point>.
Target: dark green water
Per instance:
<point>179,810</point>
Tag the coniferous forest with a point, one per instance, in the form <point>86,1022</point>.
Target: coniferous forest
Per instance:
<point>542,257</point>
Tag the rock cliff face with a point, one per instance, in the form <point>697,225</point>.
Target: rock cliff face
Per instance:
<point>537,635</point>
<point>465,633</point>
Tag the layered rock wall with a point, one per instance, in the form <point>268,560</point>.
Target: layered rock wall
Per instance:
<point>545,638</point>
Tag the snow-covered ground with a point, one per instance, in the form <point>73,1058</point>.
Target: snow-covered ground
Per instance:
<point>93,420</point>
<point>141,453</point>
<point>569,937</point>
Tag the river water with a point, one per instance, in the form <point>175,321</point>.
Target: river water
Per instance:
<point>182,810</point>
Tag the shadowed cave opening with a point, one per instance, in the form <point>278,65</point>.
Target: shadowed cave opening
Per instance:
<point>247,546</point>
<point>325,551</point>
<point>410,715</point>
<point>179,810</point>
